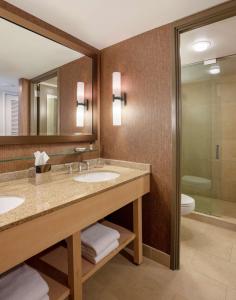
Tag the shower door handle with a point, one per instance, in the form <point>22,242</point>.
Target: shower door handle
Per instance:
<point>217,151</point>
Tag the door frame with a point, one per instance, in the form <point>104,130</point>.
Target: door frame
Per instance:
<point>203,18</point>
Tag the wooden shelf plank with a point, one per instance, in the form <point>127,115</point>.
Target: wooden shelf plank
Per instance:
<point>57,291</point>
<point>58,257</point>
<point>126,236</point>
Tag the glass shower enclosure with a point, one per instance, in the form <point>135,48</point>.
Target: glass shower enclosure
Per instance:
<point>209,136</point>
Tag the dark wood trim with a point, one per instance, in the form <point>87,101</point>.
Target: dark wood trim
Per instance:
<point>21,140</point>
<point>96,94</point>
<point>45,76</point>
<point>206,17</point>
<point>21,18</point>
<point>176,204</point>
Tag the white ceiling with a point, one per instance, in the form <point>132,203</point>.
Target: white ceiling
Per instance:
<point>25,54</point>
<point>102,23</point>
<point>222,36</point>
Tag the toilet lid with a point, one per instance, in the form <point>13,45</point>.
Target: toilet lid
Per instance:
<point>186,200</point>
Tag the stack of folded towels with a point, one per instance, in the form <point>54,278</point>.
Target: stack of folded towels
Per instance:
<point>98,241</point>
<point>23,283</point>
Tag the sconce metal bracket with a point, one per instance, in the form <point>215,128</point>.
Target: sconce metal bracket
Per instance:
<point>85,103</point>
<point>122,98</point>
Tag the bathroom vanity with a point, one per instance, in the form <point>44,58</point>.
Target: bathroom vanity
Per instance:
<point>58,104</point>
<point>58,211</point>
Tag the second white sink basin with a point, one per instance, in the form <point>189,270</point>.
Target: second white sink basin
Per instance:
<point>8,203</point>
<point>97,176</point>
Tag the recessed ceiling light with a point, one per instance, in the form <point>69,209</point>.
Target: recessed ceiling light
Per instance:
<point>201,46</point>
<point>214,70</point>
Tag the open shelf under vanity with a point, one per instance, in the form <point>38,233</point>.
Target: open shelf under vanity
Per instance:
<point>54,264</point>
<point>57,291</point>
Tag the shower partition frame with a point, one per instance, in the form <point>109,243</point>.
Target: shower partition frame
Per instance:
<point>206,17</point>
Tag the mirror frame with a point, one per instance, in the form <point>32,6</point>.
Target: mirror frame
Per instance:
<point>21,18</point>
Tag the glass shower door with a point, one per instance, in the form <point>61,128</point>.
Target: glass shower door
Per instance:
<point>209,137</point>
<point>225,142</point>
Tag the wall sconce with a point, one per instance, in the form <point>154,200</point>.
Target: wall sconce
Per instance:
<point>82,104</point>
<point>117,98</point>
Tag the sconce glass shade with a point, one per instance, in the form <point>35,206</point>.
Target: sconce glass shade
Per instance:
<point>80,106</point>
<point>116,84</point>
<point>116,110</point>
<point>80,116</point>
<point>80,92</point>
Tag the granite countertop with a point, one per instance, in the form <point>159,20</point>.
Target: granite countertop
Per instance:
<point>61,191</point>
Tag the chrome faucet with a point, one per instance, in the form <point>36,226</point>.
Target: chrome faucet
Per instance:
<point>83,166</point>
<point>69,167</point>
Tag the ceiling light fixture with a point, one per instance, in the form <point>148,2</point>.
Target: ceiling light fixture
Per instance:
<point>214,70</point>
<point>201,46</point>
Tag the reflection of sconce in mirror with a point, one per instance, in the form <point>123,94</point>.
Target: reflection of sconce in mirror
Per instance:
<point>117,98</point>
<point>82,104</point>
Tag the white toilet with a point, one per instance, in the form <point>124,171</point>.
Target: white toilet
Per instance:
<point>187,204</point>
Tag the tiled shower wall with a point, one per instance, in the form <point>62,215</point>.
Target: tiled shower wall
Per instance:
<point>209,111</point>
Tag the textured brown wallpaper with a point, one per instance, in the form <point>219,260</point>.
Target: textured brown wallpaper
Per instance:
<point>24,95</point>
<point>145,134</point>
<point>15,151</point>
<point>69,74</point>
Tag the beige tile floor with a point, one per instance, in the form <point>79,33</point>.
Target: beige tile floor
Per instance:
<point>208,271</point>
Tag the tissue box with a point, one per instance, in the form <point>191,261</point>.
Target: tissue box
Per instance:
<point>40,174</point>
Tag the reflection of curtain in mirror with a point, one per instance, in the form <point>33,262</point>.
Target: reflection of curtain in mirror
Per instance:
<point>11,115</point>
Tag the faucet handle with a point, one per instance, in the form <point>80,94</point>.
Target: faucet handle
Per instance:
<point>84,163</point>
<point>87,164</point>
<point>80,167</point>
<point>69,166</point>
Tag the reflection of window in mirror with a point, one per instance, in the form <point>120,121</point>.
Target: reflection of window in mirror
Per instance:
<point>38,85</point>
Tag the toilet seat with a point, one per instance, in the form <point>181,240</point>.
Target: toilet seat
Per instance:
<point>187,204</point>
<point>186,200</point>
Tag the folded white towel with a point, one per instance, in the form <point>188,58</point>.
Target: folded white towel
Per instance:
<point>22,282</point>
<point>96,259</point>
<point>98,237</point>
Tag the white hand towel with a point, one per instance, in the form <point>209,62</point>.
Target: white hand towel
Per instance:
<point>98,237</point>
<point>22,283</point>
<point>96,259</point>
<point>45,157</point>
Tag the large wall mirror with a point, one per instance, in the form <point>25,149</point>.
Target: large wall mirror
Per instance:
<point>46,88</point>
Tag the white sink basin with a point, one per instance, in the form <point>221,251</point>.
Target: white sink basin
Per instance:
<point>8,203</point>
<point>97,176</point>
